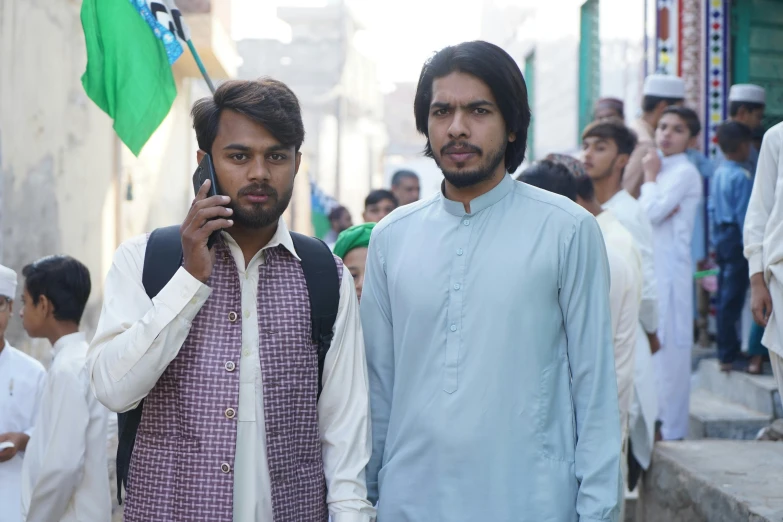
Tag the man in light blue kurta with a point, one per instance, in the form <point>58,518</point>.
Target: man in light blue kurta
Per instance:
<point>487,328</point>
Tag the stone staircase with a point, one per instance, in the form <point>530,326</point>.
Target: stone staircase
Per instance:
<point>733,405</point>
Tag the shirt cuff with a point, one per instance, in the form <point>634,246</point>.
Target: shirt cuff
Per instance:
<point>184,295</point>
<point>756,264</point>
<point>352,517</point>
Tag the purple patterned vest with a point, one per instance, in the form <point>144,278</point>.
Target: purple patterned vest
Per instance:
<point>182,464</point>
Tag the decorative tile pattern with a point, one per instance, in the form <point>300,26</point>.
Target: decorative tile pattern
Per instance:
<point>691,52</point>
<point>667,55</point>
<point>716,27</point>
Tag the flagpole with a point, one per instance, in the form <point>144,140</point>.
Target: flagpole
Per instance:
<point>201,66</point>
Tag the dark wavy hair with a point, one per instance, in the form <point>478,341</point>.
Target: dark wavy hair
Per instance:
<point>64,281</point>
<point>268,102</point>
<point>493,66</point>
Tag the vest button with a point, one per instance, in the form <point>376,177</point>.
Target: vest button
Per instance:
<point>230,366</point>
<point>232,316</point>
<point>230,413</point>
<point>225,468</point>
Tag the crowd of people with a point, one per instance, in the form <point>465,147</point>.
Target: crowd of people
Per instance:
<point>499,350</point>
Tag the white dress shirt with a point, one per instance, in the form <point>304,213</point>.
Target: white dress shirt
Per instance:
<point>21,382</point>
<point>671,203</point>
<point>625,292</point>
<point>644,406</point>
<point>137,339</point>
<point>763,234</point>
<point>65,476</point>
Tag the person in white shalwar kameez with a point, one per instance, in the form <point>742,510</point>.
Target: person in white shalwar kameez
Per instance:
<point>671,195</point>
<point>65,476</point>
<point>763,238</point>
<point>21,381</point>
<point>606,149</point>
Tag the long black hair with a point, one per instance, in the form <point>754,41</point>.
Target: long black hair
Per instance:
<point>493,66</point>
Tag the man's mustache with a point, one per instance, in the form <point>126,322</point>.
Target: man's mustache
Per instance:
<point>459,147</point>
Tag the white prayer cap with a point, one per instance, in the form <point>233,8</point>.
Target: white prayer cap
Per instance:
<point>746,92</point>
<point>7,282</point>
<point>664,86</point>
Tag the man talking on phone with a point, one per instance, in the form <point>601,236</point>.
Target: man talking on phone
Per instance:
<point>250,366</point>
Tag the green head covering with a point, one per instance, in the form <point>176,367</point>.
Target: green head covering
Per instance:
<point>354,237</point>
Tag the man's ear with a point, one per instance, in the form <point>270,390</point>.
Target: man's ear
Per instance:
<point>298,163</point>
<point>512,137</point>
<point>622,160</point>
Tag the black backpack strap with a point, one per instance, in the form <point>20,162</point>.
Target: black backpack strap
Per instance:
<point>323,287</point>
<point>162,259</point>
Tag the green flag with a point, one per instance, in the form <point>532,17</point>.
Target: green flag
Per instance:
<point>128,68</point>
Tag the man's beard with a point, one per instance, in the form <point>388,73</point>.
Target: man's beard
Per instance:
<point>258,216</point>
<point>484,172</point>
<point>607,173</point>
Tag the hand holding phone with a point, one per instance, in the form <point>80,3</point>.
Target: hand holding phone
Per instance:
<point>207,217</point>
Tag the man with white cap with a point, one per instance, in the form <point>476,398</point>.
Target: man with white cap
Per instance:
<point>660,91</point>
<point>21,379</point>
<point>763,239</point>
<point>746,105</point>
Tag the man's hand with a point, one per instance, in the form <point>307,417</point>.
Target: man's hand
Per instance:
<point>760,300</point>
<point>651,164</point>
<point>20,443</point>
<point>206,215</point>
<point>655,343</point>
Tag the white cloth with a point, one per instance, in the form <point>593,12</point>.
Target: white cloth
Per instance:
<point>8,281</point>
<point>137,339</point>
<point>671,203</point>
<point>21,382</point>
<point>631,215</point>
<point>64,476</point>
<point>763,234</point>
<point>644,406</point>
<point>625,293</point>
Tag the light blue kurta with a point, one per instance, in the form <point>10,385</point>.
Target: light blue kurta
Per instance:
<point>473,325</point>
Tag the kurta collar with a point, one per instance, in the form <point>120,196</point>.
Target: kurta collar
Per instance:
<point>66,340</point>
<point>674,159</point>
<point>478,204</point>
<point>282,237</point>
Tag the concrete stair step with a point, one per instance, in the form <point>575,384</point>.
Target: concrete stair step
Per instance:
<point>712,417</point>
<point>756,392</point>
<point>713,481</point>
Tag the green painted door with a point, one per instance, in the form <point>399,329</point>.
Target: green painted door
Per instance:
<point>757,50</point>
<point>589,63</point>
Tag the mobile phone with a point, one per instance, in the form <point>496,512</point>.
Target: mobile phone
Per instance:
<point>206,171</point>
<point>5,445</point>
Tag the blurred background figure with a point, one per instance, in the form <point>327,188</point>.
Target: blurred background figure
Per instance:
<point>351,247</point>
<point>606,108</point>
<point>339,220</point>
<point>405,186</point>
<point>378,204</point>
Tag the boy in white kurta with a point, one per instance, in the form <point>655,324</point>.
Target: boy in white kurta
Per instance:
<point>64,476</point>
<point>671,195</point>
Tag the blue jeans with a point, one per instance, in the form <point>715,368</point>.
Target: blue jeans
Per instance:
<point>733,283</point>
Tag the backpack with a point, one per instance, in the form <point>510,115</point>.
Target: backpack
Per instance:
<point>162,259</point>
